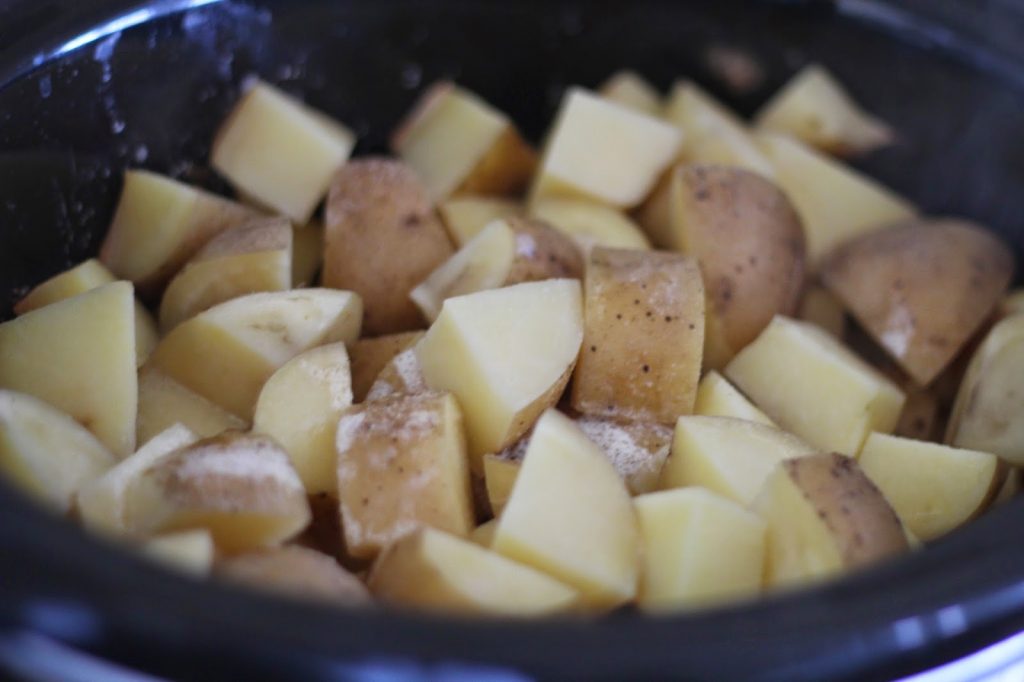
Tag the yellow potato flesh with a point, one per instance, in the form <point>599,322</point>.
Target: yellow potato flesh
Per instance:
<point>629,89</point>
<point>483,534</point>
<point>500,477</point>
<point>163,402</point>
<point>464,217</point>
<point>590,224</point>
<point>297,572</point>
<point>716,397</point>
<point>189,551</point>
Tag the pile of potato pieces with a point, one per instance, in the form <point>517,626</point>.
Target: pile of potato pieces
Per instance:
<point>502,400</point>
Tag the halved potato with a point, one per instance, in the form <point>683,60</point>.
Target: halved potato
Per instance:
<point>79,355</point>
<point>369,357</point>
<point>637,450</point>
<point>630,89</point>
<point>45,453</point>
<point>377,209</point>
<point>280,151</point>
<point>571,516</point>
<point>466,216</point>
<point>824,516</point>
<point>500,472</point>
<point>401,376</point>
<point>506,354</point>
<point>307,253</point>
<point>933,488</point>
<point>716,397</point>
<point>921,289</point>
<point>188,551</point>
<point>730,457</point>
<point>818,306</point>
<point>401,465</point>
<point>643,336</point>
<point>590,224</point>
<point>163,402</point>
<point>297,572</point>
<point>699,550</point>
<point>811,385</point>
<point>432,569</point>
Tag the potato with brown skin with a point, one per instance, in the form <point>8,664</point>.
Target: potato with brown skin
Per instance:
<point>297,572</point>
<point>377,209</point>
<point>369,357</point>
<point>921,289</point>
<point>542,252</point>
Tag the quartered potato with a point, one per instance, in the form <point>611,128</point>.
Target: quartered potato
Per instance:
<point>163,403</point>
<point>590,224</point>
<point>630,89</point>
<point>466,216</point>
<point>369,357</point>
<point>716,397</point>
<point>297,572</point>
<point>189,551</point>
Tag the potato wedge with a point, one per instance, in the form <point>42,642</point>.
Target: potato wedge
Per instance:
<point>818,306</point>
<point>921,289</point>
<point>280,151</point>
<point>716,397</point>
<point>571,517</point>
<point>299,407</point>
<point>811,385</point>
<point>297,572</point>
<point>933,488</point>
<point>630,89</point>
<point>730,457</point>
<point>369,357</point>
<point>79,355</point>
<point>590,224</point>
<point>163,402</point>
<point>824,516</point>
<point>603,151</point>
<point>188,551</point>
<point>643,336</point>
<point>402,376</point>
<point>699,550</point>
<point>228,352</point>
<point>46,454</point>
<point>401,465</point>
<point>465,216</point>
<point>307,253</point>
<point>376,209</point>
<point>432,569</point>
<point>637,450</point>
<point>459,144</point>
<point>506,354</point>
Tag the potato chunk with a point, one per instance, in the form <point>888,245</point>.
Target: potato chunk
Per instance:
<point>571,516</point>
<point>590,224</point>
<point>716,397</point>
<point>808,383</point>
<point>369,357</point>
<point>457,143</point>
<point>253,257</point>
<point>163,402</point>
<point>188,551</point>
<point>921,289</point>
<point>278,150</point>
<point>699,550</point>
<point>45,453</point>
<point>159,223</point>
<point>637,450</point>
<point>79,355</point>
<point>376,209</point>
<point>432,569</point>
<point>299,407</point>
<point>228,352</point>
<point>506,354</point>
<point>466,216</point>
<point>295,572</point>
<point>824,516</point>
<point>603,151</point>
<point>500,473</point>
<point>630,89</point>
<point>643,337</point>
<point>933,488</point>
<point>401,465</point>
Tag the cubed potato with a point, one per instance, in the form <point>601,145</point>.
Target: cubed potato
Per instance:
<point>433,570</point>
<point>824,516</point>
<point>933,488</point>
<point>643,336</point>
<point>921,289</point>
<point>814,108</point>
<point>637,450</point>
<point>299,407</point>
<point>369,357</point>
<point>603,151</point>
<point>45,453</point>
<point>506,354</point>
<point>730,457</point>
<point>630,89</point>
<point>571,516</point>
<point>836,203</point>
<point>459,144</point>
<point>466,216</point>
<point>700,550</point>
<point>401,376</point>
<point>401,465</point>
<point>748,240</point>
<point>989,405</point>
<point>307,253</point>
<point>86,276</point>
<point>376,209</point>
<point>818,306</point>
<point>79,355</point>
<point>716,397</point>
<point>188,551</point>
<point>228,352</point>
<point>811,385</point>
<point>240,487</point>
<point>297,572</point>
<point>159,223</point>
<point>590,224</point>
<point>500,472</point>
<point>483,534</point>
<point>163,402</point>
<point>253,257</point>
<point>104,503</point>
<point>280,151</point>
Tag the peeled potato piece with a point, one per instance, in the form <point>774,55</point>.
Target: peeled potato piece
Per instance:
<point>45,453</point>
<point>295,572</point>
<point>590,224</point>
<point>716,397</point>
<point>163,402</point>
<point>824,516</point>
<point>368,357</point>
<point>466,216</point>
<point>934,488</point>
<point>921,289</point>
<point>189,551</point>
<point>637,450</point>
<point>432,569</point>
<point>630,89</point>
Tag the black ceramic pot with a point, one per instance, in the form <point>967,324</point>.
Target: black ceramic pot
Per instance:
<point>87,89</point>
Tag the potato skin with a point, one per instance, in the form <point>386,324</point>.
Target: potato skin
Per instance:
<point>542,252</point>
<point>382,238</point>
